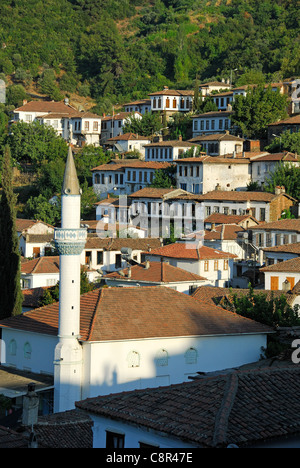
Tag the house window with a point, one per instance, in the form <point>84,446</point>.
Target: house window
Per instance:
<point>154,103</point>
<point>114,440</point>
<point>95,126</point>
<point>206,265</point>
<point>99,257</point>
<point>262,214</point>
<point>86,126</point>
<point>195,124</point>
<point>118,262</point>
<point>174,103</point>
<point>191,356</point>
<point>162,358</point>
<point>12,347</point>
<point>168,103</point>
<point>216,265</point>
<point>27,351</point>
<point>97,178</point>
<point>225,264</point>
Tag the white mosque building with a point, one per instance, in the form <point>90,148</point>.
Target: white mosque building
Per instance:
<point>118,339</point>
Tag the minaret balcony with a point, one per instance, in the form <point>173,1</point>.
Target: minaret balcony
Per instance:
<point>70,241</point>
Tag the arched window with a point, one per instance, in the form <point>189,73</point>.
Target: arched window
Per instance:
<point>12,347</point>
<point>133,359</point>
<point>191,356</point>
<point>27,351</point>
<point>162,358</point>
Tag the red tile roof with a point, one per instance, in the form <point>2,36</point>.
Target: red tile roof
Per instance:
<point>280,225</point>
<point>24,224</point>
<point>220,218</point>
<point>292,266</point>
<point>120,165</point>
<point>47,106</point>
<point>295,120</point>
<point>240,407</point>
<point>157,272</point>
<point>137,313</point>
<point>41,265</point>
<point>189,250</point>
<point>288,248</point>
<point>225,232</point>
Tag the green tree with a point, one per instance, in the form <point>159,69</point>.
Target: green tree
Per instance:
<point>285,142</point>
<point>10,265</point>
<point>35,143</point>
<point>48,85</point>
<point>39,207</point>
<point>286,175</point>
<point>252,113</point>
<point>149,124</point>
<point>164,178</point>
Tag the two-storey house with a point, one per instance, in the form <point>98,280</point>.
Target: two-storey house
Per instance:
<point>112,125</point>
<point>169,101</point>
<point>211,123</point>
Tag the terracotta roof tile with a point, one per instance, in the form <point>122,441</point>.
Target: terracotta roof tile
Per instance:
<point>132,164</point>
<point>292,265</point>
<point>137,313</point>
<point>288,248</point>
<point>41,265</point>
<point>115,244</point>
<point>160,272</point>
<point>190,250</point>
<point>238,407</point>
<point>47,106</point>
<point>280,225</point>
<point>237,195</point>
<point>225,232</point>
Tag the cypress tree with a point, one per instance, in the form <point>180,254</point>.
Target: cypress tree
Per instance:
<point>10,266</point>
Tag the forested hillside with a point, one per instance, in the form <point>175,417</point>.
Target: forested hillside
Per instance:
<point>116,50</point>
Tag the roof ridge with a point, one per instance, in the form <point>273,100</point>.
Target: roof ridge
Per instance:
<point>37,264</point>
<point>221,422</point>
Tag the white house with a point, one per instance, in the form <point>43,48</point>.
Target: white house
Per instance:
<point>282,275</point>
<point>134,338</point>
<point>35,237</point>
<point>156,274</point>
<point>281,253</point>
<point>210,87</point>
<point>169,150</point>
<point>129,142</point>
<point>219,144</point>
<point>142,106</point>
<point>206,412</point>
<point>105,254</point>
<point>210,263</point>
<point>211,123</point>
<point>78,128</point>
<point>169,101</point>
<point>279,232</point>
<point>112,125</point>
<point>123,177</point>
<point>39,272</point>
<point>262,166</point>
<point>200,175</point>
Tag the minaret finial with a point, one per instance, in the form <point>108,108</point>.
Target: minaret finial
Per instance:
<point>70,184</point>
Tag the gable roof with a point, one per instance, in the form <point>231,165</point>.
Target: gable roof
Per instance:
<point>287,248</point>
<point>47,107</point>
<point>292,266</point>
<point>115,244</point>
<point>224,232</point>
<point>190,250</point>
<point>236,407</point>
<point>25,224</point>
<point>40,265</point>
<point>110,314</point>
<point>156,192</point>
<point>157,272</point>
<point>221,218</point>
<point>295,120</point>
<point>238,195</point>
<point>280,225</point>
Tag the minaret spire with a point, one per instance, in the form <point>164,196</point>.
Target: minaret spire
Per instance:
<point>70,240</point>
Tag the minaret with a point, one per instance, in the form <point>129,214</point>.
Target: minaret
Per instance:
<point>70,240</point>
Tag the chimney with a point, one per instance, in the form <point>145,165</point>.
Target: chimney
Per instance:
<point>218,187</point>
<point>286,286</point>
<point>147,265</point>
<point>277,190</point>
<point>179,137</point>
<point>30,406</point>
<point>222,231</point>
<point>24,102</point>
<point>129,272</point>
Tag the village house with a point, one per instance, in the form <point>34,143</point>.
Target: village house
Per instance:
<point>169,101</point>
<point>262,166</point>
<point>169,150</point>
<point>105,255</point>
<point>218,219</point>
<point>199,175</point>
<point>280,253</point>
<point>155,274</point>
<point>291,125</point>
<point>128,143</point>
<point>211,123</point>
<point>238,408</point>
<point>211,87</point>
<point>282,275</point>
<point>263,206</point>
<point>134,338</point>
<point>40,272</point>
<point>190,255</point>
<point>35,237</point>
<point>78,128</point>
<point>276,233</point>
<point>219,144</point>
<point>142,106</point>
<point>124,176</point>
<point>112,125</point>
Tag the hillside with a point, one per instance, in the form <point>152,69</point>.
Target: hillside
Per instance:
<point>104,52</point>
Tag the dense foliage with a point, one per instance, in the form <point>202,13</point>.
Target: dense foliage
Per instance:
<point>123,49</point>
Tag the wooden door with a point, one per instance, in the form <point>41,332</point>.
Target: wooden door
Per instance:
<point>274,283</point>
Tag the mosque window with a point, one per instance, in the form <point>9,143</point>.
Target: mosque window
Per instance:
<point>162,358</point>
<point>133,359</point>
<point>27,350</point>
<point>13,347</point>
<point>191,356</point>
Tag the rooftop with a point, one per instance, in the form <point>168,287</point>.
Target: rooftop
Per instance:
<point>240,407</point>
<point>190,250</point>
<point>292,266</point>
<point>280,225</point>
<point>157,272</point>
<point>138,313</point>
